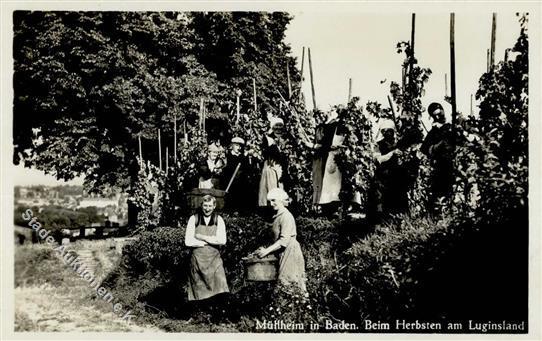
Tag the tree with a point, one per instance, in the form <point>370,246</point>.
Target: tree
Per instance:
<point>88,84</point>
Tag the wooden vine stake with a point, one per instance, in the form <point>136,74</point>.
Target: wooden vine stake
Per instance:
<point>349,89</point>
<point>174,139</point>
<point>452,74</point>
<point>411,64</point>
<point>487,61</point>
<point>493,39</point>
<point>140,151</point>
<point>254,95</point>
<point>452,86</point>
<point>238,107</point>
<point>302,64</point>
<point>392,110</point>
<point>312,80</point>
<point>167,160</point>
<point>185,132</point>
<point>445,85</point>
<point>288,79</point>
<point>159,150</point>
<point>201,114</point>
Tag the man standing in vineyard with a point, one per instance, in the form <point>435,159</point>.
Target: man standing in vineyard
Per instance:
<point>438,146</point>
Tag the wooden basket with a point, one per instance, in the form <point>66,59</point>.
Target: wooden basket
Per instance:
<point>261,269</point>
<point>195,197</point>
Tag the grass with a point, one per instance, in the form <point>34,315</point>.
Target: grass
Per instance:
<point>50,297</point>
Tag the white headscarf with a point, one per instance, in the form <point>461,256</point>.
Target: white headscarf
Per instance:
<point>278,194</point>
<point>332,115</point>
<point>273,121</point>
<point>385,123</point>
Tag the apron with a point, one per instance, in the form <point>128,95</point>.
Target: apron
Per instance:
<point>268,180</point>
<point>206,277</point>
<point>331,183</point>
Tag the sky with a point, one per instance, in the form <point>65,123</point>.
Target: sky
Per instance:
<point>362,46</point>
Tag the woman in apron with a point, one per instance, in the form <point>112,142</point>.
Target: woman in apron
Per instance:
<point>275,161</point>
<point>291,262</point>
<point>204,233</point>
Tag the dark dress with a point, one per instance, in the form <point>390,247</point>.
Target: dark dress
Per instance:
<point>215,174</point>
<point>438,146</point>
<point>273,154</point>
<point>237,198</point>
<point>389,195</point>
<point>206,277</point>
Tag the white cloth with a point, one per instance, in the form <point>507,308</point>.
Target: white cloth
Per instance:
<point>205,184</point>
<point>190,239</point>
<point>331,183</point>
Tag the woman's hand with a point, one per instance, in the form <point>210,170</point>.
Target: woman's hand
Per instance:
<point>261,252</point>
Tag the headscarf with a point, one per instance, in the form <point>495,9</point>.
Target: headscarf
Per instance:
<point>214,148</point>
<point>384,124</point>
<point>273,121</point>
<point>278,193</point>
<point>332,116</point>
<point>238,140</point>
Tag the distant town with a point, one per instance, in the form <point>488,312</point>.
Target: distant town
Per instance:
<point>69,210</point>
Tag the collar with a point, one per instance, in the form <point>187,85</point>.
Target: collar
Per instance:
<point>437,124</point>
<point>280,211</point>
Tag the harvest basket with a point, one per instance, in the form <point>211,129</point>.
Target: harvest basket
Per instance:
<point>261,269</point>
<point>195,197</point>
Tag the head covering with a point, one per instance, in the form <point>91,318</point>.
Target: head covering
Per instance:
<point>273,121</point>
<point>385,123</point>
<point>433,107</point>
<point>332,115</point>
<point>278,194</point>
<point>214,148</point>
<point>237,140</point>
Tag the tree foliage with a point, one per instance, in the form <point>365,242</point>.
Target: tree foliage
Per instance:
<point>497,141</point>
<point>88,84</point>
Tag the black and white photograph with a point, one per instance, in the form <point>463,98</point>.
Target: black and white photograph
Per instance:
<point>316,169</point>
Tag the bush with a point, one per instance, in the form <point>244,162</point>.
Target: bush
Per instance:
<point>36,265</point>
<point>154,267</point>
<point>389,267</point>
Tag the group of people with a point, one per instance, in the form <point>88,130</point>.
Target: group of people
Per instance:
<point>394,176</point>
<point>206,229</point>
<point>206,232</point>
<point>227,170</point>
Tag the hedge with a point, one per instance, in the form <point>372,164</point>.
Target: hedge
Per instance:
<point>377,276</point>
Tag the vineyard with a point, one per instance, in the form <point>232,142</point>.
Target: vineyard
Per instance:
<point>132,100</point>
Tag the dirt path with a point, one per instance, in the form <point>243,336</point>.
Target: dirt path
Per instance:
<point>49,309</point>
<point>50,297</point>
